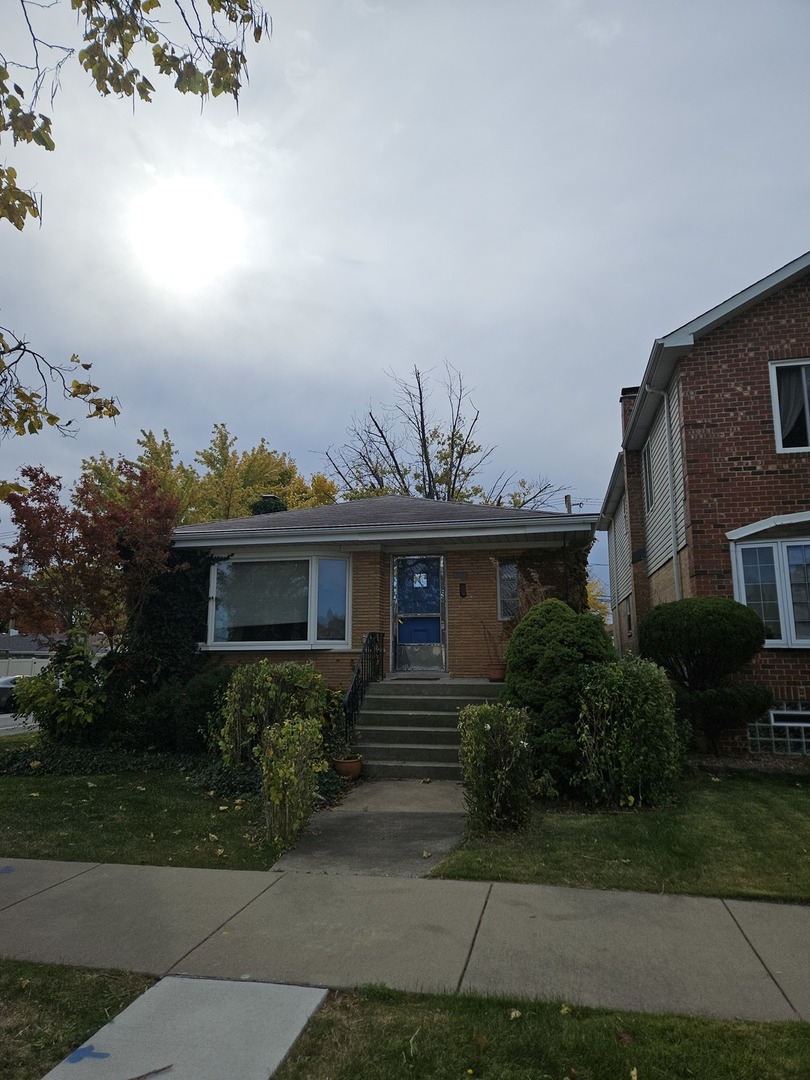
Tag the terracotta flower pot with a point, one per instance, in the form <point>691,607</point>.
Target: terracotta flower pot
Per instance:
<point>497,671</point>
<point>348,768</point>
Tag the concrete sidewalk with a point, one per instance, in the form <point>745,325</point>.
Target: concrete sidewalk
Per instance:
<point>244,956</point>
<point>621,950</point>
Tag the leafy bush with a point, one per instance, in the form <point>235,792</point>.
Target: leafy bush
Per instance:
<point>627,732</point>
<point>496,763</point>
<point>290,756</point>
<point>177,715</point>
<point>273,715</point>
<point>66,697</point>
<point>699,641</point>
<point>261,695</point>
<point>547,653</point>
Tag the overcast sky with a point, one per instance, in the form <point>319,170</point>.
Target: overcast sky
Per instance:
<point>532,190</point>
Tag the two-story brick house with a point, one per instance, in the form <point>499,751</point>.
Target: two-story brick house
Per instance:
<point>710,495</point>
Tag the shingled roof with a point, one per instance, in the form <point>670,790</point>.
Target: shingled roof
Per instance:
<point>386,517</point>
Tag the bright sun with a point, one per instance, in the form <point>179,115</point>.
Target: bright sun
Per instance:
<point>186,233</point>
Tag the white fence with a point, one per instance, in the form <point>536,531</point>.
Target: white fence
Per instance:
<point>21,667</point>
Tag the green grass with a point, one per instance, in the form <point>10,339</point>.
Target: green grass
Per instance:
<point>48,1010</point>
<point>736,836</point>
<point>376,1034</point>
<point>155,818</point>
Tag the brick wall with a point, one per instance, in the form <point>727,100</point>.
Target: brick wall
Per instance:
<point>467,615</point>
<point>733,474</point>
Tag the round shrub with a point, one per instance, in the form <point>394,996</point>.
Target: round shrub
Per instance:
<point>544,665</point>
<point>496,765</point>
<point>699,641</point>
<point>630,747</point>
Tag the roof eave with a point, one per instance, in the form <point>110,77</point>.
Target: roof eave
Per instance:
<point>613,497</point>
<point>560,523</point>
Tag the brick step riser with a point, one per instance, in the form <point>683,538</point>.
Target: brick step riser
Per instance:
<point>409,770</point>
<point>405,736</point>
<point>386,718</point>
<point>484,691</point>
<point>437,754</point>
<point>418,705</point>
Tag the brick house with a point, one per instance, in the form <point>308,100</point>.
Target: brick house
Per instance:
<point>433,577</point>
<point>710,495</point>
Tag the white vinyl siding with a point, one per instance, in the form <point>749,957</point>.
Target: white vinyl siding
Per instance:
<point>621,577</point>
<point>657,517</point>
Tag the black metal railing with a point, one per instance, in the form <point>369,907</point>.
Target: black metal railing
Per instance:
<point>369,669</point>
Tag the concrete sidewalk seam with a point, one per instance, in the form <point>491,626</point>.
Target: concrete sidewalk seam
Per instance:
<point>216,930</point>
<point>754,950</point>
<point>55,885</point>
<point>474,937</point>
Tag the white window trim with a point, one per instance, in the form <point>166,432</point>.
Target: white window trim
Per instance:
<point>782,587</point>
<point>312,644</point>
<point>777,421</point>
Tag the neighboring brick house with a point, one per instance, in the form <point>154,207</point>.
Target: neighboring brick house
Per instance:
<point>431,576</point>
<point>711,493</point>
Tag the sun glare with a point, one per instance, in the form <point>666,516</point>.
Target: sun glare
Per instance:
<point>186,233</point>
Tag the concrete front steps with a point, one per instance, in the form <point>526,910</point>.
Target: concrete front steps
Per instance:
<point>408,728</point>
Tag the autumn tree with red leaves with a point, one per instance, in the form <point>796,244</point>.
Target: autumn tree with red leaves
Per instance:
<point>86,566</point>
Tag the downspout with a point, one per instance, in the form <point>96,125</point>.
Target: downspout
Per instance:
<point>673,523</point>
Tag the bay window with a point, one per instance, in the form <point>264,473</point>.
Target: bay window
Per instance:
<point>774,579</point>
<point>277,602</point>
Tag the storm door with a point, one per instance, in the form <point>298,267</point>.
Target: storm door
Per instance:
<point>419,630</point>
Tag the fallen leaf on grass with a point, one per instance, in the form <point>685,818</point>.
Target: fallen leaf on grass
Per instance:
<point>565,1010</point>
<point>625,1038</point>
<point>34,764</point>
<point>213,836</point>
<point>91,784</point>
<point>514,1014</point>
<point>33,794</point>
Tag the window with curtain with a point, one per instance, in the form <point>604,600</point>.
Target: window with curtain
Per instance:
<point>790,384</point>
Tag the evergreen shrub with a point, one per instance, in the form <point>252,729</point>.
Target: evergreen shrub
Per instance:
<point>496,765</point>
<point>630,748</point>
<point>547,653</point>
<point>700,642</point>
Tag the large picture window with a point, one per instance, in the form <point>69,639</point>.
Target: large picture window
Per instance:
<point>774,580</point>
<point>790,389</point>
<point>280,602</point>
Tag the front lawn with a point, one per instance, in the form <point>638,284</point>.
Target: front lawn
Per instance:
<point>156,818</point>
<point>734,835</point>
<point>377,1034</point>
<point>48,1010</point>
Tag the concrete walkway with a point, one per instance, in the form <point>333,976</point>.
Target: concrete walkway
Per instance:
<point>324,926</point>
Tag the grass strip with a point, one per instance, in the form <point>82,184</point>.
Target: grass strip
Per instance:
<point>48,1010</point>
<point>380,1034</point>
<point>152,818</point>
<point>735,835</point>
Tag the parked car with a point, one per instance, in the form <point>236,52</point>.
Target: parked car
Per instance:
<point>7,684</point>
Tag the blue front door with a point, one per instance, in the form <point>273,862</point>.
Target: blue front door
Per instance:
<point>419,613</point>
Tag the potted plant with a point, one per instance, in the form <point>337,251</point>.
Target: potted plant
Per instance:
<point>496,648</point>
<point>346,761</point>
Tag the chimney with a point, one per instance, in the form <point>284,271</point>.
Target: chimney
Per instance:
<point>627,400</point>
